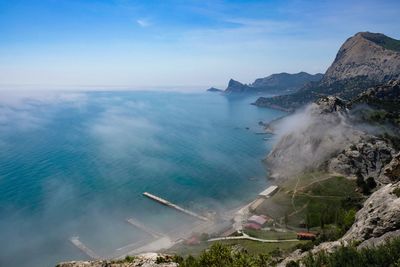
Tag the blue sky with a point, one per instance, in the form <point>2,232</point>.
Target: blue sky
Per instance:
<point>188,44</point>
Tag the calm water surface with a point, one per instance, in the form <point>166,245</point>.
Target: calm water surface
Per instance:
<point>78,163</point>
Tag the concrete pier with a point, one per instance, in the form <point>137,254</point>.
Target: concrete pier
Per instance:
<point>171,205</point>
<point>144,228</point>
<point>76,242</point>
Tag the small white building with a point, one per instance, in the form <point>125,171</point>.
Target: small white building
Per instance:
<point>269,191</point>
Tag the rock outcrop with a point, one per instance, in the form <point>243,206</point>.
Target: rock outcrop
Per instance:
<point>379,215</point>
<point>367,158</point>
<point>391,172</point>
<point>143,260</point>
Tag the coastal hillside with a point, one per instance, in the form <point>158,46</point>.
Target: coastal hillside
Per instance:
<point>364,60</point>
<point>279,83</point>
<point>333,136</point>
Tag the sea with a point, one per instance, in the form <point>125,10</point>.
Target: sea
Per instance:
<point>77,164</point>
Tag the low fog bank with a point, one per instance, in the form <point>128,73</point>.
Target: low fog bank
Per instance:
<point>78,163</point>
<point>308,138</point>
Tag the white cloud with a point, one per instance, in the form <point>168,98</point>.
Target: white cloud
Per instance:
<point>143,23</point>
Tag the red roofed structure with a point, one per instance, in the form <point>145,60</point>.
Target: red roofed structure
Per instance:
<point>306,236</point>
<point>260,220</point>
<point>253,226</point>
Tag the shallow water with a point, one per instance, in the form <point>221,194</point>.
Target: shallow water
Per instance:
<point>78,163</point>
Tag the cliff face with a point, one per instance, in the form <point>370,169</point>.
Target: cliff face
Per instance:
<point>237,87</point>
<point>365,54</point>
<point>379,215</point>
<point>368,158</point>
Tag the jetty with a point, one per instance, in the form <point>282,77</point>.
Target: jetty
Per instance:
<point>76,242</point>
<point>174,206</point>
<point>144,228</point>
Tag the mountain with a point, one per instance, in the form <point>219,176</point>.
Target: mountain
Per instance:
<point>364,60</point>
<point>237,87</point>
<point>373,55</point>
<point>214,90</point>
<point>285,81</point>
<point>275,83</point>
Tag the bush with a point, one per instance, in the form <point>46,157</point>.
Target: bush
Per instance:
<point>397,192</point>
<point>222,256</point>
<point>129,258</point>
<point>292,264</point>
<point>384,255</point>
<point>305,246</point>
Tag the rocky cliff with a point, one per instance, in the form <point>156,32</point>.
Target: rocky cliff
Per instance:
<point>237,87</point>
<point>366,158</point>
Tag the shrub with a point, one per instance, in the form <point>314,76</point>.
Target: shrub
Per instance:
<point>129,259</point>
<point>222,256</point>
<point>384,255</point>
<point>397,192</point>
<point>292,264</point>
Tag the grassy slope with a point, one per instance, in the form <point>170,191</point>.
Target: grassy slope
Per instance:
<point>311,195</point>
<point>314,194</point>
<point>252,247</point>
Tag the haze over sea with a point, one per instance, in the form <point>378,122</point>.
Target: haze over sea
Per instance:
<point>78,163</point>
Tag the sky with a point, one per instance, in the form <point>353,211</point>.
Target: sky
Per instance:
<point>127,44</point>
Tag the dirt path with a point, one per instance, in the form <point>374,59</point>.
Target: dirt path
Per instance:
<point>294,193</point>
<point>247,237</point>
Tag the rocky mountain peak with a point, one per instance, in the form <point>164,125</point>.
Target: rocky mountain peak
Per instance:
<point>371,55</point>
<point>233,83</point>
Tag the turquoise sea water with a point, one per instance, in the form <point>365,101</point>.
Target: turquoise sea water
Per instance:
<point>78,163</point>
